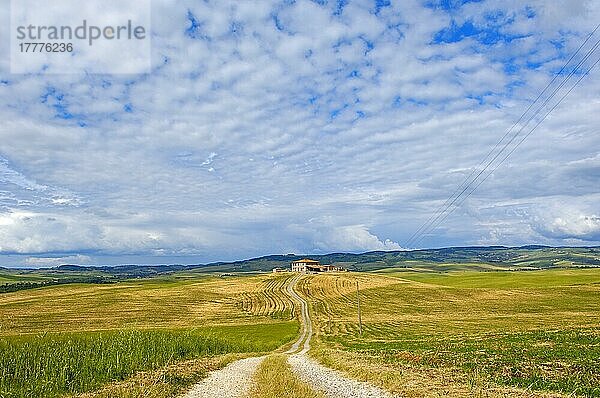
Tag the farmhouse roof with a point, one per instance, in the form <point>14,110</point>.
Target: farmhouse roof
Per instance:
<point>307,260</point>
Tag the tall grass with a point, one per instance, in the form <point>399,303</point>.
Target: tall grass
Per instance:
<point>50,365</point>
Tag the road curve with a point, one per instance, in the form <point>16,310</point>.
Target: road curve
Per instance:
<point>305,321</point>
<point>329,381</point>
<point>236,379</point>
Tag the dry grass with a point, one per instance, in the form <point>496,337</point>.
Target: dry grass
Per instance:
<point>269,298</point>
<point>489,334</point>
<point>394,307</point>
<point>153,303</point>
<point>41,328</point>
<point>274,379</point>
<point>415,381</point>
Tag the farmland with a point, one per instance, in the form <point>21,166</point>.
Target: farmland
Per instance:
<point>523,325</point>
<point>78,337</point>
<point>463,333</point>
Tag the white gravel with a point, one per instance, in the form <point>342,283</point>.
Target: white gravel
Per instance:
<point>331,382</point>
<point>233,381</point>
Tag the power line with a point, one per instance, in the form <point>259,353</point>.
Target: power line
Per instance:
<point>516,146</point>
<point>556,90</point>
<point>468,178</point>
<point>462,188</point>
<point>428,228</point>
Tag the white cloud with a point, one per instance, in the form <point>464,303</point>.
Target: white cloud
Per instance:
<point>55,261</point>
<point>357,238</point>
<point>569,222</point>
<point>579,226</point>
<point>339,132</point>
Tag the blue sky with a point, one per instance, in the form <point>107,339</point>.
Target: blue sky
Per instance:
<point>302,127</point>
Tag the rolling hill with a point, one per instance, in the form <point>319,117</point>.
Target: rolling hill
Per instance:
<point>430,260</point>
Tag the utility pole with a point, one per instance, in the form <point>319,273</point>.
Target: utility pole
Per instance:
<point>358,304</point>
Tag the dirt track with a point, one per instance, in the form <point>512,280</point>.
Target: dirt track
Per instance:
<point>235,380</point>
<point>330,382</point>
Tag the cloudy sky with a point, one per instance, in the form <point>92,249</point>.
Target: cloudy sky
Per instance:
<point>303,127</point>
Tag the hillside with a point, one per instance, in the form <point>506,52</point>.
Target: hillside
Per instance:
<point>474,258</point>
<point>431,260</point>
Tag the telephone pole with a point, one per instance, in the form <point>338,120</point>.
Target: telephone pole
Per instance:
<point>358,304</point>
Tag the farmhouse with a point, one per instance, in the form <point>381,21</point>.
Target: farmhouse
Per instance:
<point>307,265</point>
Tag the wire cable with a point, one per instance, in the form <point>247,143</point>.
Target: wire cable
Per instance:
<point>468,178</point>
<point>424,228</point>
<point>511,151</point>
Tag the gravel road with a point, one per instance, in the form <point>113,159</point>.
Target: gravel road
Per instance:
<point>233,381</point>
<point>330,382</point>
<point>306,334</point>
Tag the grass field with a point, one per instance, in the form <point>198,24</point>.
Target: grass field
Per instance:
<point>52,364</point>
<point>78,337</point>
<point>167,302</point>
<point>165,382</point>
<point>463,333</point>
<point>7,277</point>
<point>426,332</point>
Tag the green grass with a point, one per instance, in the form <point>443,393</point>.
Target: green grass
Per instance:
<point>564,361</point>
<point>50,365</point>
<point>507,280</point>
<point>7,277</point>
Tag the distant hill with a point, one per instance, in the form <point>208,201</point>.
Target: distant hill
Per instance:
<point>131,270</point>
<point>430,260</point>
<point>483,258</point>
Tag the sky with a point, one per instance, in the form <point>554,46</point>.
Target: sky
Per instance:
<point>306,127</point>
